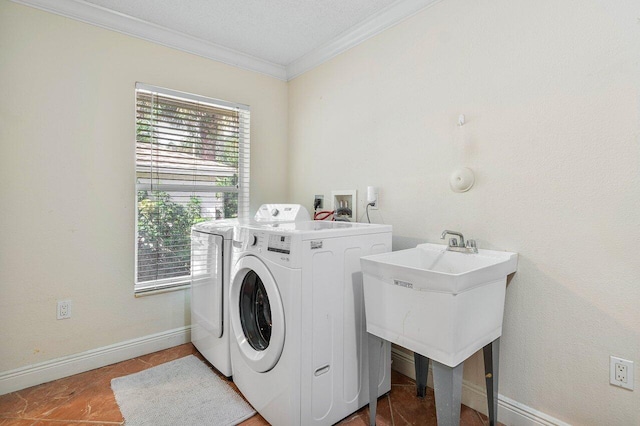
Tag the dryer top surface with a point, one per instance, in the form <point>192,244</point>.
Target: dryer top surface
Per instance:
<point>217,227</point>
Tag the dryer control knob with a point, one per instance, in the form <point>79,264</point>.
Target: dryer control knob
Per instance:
<point>254,240</point>
<point>275,212</point>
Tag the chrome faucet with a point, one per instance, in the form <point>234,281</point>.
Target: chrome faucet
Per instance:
<point>464,247</point>
<point>453,242</point>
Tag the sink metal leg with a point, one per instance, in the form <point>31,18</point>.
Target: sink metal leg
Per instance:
<point>491,354</point>
<point>447,384</point>
<point>422,373</point>
<point>375,351</point>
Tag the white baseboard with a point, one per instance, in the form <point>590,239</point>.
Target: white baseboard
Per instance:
<point>510,412</point>
<point>31,375</point>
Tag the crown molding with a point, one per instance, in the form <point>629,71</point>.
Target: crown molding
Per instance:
<point>384,19</point>
<point>125,24</point>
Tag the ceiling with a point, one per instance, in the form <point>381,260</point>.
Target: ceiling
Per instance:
<point>282,38</point>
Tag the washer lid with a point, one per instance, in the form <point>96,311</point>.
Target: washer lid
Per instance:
<point>257,314</point>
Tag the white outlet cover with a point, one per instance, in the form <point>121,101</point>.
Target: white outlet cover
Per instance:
<point>64,309</point>
<point>628,384</point>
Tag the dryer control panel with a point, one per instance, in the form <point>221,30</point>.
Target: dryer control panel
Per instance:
<point>278,213</point>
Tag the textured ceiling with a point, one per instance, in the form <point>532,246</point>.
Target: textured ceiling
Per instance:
<point>278,31</point>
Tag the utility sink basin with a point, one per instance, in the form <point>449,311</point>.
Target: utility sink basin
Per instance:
<point>445,305</point>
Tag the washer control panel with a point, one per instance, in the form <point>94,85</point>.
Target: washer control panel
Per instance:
<point>279,243</point>
<point>282,247</point>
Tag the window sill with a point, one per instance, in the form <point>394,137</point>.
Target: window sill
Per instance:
<point>164,288</point>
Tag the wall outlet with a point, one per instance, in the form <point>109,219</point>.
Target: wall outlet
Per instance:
<point>64,309</point>
<point>318,202</point>
<point>372,197</point>
<point>621,372</point>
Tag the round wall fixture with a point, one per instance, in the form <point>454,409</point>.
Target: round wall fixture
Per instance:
<point>462,179</point>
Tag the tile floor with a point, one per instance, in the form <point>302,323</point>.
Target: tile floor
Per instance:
<point>87,398</point>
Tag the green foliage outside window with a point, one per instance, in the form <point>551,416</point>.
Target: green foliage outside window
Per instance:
<point>164,234</point>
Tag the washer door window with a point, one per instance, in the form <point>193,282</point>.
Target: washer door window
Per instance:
<point>257,314</point>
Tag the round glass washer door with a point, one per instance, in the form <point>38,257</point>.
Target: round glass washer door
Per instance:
<point>257,314</point>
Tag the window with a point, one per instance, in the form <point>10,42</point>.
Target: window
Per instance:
<point>192,165</point>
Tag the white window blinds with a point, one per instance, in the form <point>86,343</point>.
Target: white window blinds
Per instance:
<point>192,164</point>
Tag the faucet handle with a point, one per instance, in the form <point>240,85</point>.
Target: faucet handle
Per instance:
<point>471,246</point>
<point>453,242</point>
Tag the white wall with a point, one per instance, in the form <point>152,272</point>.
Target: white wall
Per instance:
<point>551,92</point>
<point>67,140</point>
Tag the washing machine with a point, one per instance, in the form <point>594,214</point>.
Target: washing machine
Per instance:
<point>299,342</point>
<point>210,274</point>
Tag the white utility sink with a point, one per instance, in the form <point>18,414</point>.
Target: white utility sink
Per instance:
<point>445,305</point>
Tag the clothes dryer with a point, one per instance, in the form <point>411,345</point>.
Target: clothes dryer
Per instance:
<point>210,274</point>
<point>299,345</point>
